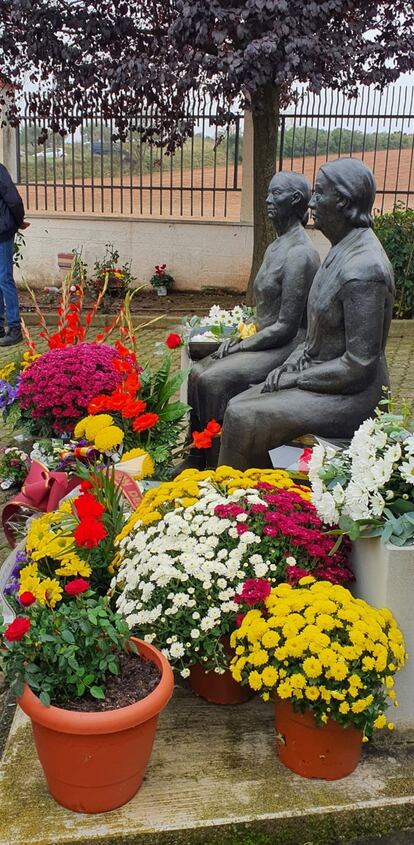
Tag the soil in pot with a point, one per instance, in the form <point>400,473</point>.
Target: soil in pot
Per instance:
<point>137,678</point>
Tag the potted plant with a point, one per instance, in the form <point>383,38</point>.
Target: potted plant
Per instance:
<point>14,466</point>
<point>188,549</point>
<point>108,277</point>
<point>161,281</point>
<point>93,695</point>
<point>369,489</point>
<point>328,660</point>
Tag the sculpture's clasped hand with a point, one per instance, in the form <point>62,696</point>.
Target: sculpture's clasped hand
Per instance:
<point>226,348</point>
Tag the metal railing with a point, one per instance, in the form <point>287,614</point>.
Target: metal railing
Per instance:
<point>89,172</point>
<point>376,127</point>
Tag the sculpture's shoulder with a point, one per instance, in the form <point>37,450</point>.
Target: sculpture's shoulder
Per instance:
<point>365,259</point>
<point>295,246</point>
<point>304,249</point>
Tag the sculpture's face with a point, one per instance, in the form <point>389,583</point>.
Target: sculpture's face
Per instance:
<point>324,203</point>
<point>279,199</point>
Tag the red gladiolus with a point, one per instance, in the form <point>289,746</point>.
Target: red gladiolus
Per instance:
<point>85,486</point>
<point>145,421</point>
<point>77,586</point>
<point>202,440</point>
<point>173,341</point>
<point>87,507</point>
<point>89,533</point>
<point>26,599</point>
<point>213,428</point>
<point>17,629</point>
<point>133,408</point>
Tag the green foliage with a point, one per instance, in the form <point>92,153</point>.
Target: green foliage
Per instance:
<point>396,233</point>
<point>158,389</point>
<point>67,652</point>
<point>110,276</point>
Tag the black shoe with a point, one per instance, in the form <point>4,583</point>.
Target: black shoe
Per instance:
<point>12,338</point>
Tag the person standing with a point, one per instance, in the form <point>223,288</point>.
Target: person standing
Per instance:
<point>11,219</point>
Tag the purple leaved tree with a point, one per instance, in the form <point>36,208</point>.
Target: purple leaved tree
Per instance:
<point>116,55</point>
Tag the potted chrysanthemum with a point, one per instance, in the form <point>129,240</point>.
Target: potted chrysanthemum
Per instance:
<point>190,546</point>
<point>93,695</point>
<point>328,660</point>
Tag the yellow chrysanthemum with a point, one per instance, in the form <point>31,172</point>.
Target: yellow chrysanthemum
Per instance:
<point>109,438</point>
<point>269,676</point>
<point>94,425</point>
<point>255,680</point>
<point>7,370</point>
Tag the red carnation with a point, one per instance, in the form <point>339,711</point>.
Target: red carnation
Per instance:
<point>145,421</point>
<point>213,428</point>
<point>173,341</point>
<point>201,440</point>
<point>26,599</point>
<point>17,629</point>
<point>89,533</point>
<point>254,590</point>
<point>77,586</point>
<point>87,507</point>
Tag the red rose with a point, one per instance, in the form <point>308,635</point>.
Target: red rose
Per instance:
<point>173,341</point>
<point>78,585</point>
<point>202,440</point>
<point>26,599</point>
<point>213,428</point>
<point>89,533</point>
<point>17,629</point>
<point>87,507</point>
<point>145,421</point>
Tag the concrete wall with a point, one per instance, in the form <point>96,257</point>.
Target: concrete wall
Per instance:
<point>199,254</point>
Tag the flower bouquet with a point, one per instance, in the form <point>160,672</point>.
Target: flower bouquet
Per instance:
<point>369,487</point>
<point>14,465</point>
<point>108,277</point>
<point>221,324</point>
<point>161,281</point>
<point>193,542</point>
<point>88,687</point>
<point>328,659</point>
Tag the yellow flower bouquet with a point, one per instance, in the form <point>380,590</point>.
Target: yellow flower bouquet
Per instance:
<point>317,647</point>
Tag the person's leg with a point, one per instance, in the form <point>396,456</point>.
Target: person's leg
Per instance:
<point>1,315</point>
<point>9,294</point>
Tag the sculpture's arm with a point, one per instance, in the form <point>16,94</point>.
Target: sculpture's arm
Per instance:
<point>363,306</point>
<point>297,279</point>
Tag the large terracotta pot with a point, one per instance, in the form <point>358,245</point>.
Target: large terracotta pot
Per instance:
<point>218,689</point>
<point>330,752</point>
<point>94,762</point>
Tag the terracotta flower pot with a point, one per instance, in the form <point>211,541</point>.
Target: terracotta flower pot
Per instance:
<point>94,762</point>
<point>218,689</point>
<point>330,752</point>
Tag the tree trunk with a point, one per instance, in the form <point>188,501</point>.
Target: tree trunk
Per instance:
<point>265,116</point>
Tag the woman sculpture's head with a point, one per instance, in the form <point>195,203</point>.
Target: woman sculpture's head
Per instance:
<point>354,185</point>
<point>288,198</point>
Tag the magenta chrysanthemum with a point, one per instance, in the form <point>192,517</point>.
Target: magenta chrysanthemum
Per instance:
<point>54,392</point>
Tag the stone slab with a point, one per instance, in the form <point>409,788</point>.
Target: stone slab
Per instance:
<point>214,779</point>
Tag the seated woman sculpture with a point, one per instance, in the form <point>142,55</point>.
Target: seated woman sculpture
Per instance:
<point>333,381</point>
<point>281,289</point>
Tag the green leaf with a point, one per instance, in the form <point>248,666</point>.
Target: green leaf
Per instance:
<point>97,692</point>
<point>67,635</point>
<point>174,411</point>
<point>45,698</point>
<point>349,526</point>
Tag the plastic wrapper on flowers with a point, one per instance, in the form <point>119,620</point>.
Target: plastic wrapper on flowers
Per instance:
<point>192,543</point>
<point>369,487</point>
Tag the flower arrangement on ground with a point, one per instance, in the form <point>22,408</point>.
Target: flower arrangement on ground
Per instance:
<point>75,541</point>
<point>317,646</point>
<point>193,544</point>
<point>221,324</point>
<point>161,279</point>
<point>109,276</point>
<point>14,466</point>
<point>370,485</point>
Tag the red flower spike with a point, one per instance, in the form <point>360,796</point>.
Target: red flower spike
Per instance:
<point>89,533</point>
<point>88,507</point>
<point>213,428</point>
<point>202,440</point>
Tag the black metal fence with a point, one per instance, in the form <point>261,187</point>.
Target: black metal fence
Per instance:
<point>89,172</point>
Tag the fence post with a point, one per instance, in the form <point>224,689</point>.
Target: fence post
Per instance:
<point>246,208</point>
<point>8,134</point>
